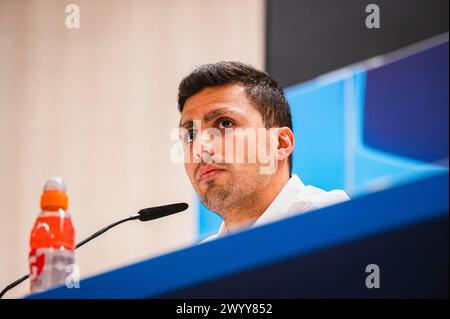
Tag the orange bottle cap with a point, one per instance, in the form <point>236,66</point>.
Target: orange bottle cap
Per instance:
<point>54,196</point>
<point>54,200</point>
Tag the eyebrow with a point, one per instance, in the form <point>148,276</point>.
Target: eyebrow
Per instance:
<point>208,117</point>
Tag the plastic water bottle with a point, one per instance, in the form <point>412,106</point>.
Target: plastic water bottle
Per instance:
<point>52,240</point>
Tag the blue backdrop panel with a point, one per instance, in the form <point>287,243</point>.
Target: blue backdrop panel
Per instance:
<point>406,106</point>
<point>318,122</point>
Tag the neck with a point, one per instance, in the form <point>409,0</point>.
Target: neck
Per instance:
<point>237,218</point>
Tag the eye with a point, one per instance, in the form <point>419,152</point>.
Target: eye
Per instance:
<point>189,136</point>
<point>225,123</point>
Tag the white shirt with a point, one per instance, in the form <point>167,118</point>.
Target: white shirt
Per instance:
<point>294,198</point>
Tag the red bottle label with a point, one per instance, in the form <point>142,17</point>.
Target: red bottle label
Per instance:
<point>36,264</point>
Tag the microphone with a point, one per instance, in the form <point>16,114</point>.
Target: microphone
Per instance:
<point>143,215</point>
<point>161,211</point>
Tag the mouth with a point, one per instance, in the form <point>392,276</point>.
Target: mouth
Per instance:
<point>209,172</point>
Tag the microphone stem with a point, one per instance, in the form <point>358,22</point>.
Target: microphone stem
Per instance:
<point>15,283</point>
<point>81,243</point>
<point>104,229</point>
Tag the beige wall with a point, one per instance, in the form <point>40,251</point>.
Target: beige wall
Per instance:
<point>96,106</point>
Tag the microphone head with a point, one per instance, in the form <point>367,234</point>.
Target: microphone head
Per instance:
<point>161,211</point>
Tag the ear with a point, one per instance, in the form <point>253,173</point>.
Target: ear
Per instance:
<point>285,143</point>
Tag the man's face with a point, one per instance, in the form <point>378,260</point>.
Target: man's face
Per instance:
<point>222,173</point>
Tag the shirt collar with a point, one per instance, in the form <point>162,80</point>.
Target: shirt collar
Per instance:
<point>280,206</point>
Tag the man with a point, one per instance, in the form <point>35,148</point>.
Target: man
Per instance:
<point>227,104</point>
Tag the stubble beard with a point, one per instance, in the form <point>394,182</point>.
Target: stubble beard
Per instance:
<point>224,199</point>
<point>216,197</point>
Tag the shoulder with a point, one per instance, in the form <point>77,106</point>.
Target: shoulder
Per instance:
<point>314,198</point>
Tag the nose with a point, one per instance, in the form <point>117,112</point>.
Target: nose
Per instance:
<point>206,148</point>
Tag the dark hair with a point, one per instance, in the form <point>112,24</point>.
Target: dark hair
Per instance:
<point>261,89</point>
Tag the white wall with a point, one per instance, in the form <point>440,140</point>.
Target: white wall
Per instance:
<point>96,106</point>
